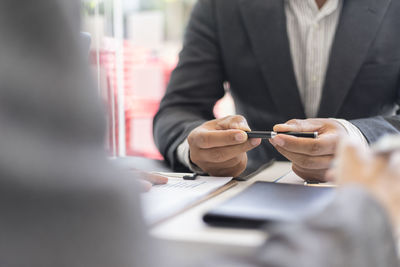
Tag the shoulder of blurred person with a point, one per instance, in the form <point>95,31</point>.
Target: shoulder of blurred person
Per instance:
<point>62,203</point>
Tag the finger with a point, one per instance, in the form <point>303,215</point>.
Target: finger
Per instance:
<point>325,144</point>
<point>226,164</point>
<point>202,138</point>
<point>155,178</point>
<point>145,186</point>
<point>151,177</point>
<point>350,163</point>
<point>330,175</point>
<point>310,175</point>
<point>307,162</point>
<point>232,171</point>
<point>299,126</point>
<point>394,162</point>
<point>222,154</point>
<point>348,152</point>
<point>233,122</point>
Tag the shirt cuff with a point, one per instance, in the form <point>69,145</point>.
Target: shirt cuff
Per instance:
<point>353,132</point>
<point>184,158</point>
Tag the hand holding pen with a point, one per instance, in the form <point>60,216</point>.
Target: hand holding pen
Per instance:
<point>218,147</point>
<point>310,157</point>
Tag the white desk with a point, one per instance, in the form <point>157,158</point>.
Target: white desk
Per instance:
<point>189,231</point>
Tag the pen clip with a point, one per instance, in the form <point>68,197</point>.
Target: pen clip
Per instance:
<point>190,177</point>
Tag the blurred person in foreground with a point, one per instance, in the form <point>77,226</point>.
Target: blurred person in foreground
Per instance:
<point>63,204</point>
<point>378,173</point>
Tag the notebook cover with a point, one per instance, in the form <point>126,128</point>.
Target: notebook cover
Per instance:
<point>265,202</point>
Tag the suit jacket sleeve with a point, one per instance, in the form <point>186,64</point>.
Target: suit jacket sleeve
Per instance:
<point>196,84</point>
<point>375,127</point>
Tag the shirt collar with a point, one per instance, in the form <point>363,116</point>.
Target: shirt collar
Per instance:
<point>311,8</point>
<point>329,7</point>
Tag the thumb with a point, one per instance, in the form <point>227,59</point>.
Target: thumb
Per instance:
<point>299,126</point>
<point>234,122</point>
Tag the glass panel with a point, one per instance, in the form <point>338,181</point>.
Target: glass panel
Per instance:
<point>135,46</point>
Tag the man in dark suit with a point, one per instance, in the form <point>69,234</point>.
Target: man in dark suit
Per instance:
<point>283,60</point>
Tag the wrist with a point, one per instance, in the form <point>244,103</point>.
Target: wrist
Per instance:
<point>353,132</point>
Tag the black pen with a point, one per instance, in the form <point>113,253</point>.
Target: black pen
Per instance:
<point>190,177</point>
<point>269,134</point>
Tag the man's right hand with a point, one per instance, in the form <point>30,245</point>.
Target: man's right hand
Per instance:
<point>219,146</point>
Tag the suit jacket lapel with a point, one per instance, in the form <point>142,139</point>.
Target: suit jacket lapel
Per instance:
<point>265,22</point>
<point>359,22</point>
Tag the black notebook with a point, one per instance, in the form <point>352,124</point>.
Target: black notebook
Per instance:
<point>265,202</point>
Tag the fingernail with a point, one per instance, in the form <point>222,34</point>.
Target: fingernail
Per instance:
<point>271,140</point>
<point>278,141</point>
<point>240,137</point>
<point>255,141</point>
<point>280,126</point>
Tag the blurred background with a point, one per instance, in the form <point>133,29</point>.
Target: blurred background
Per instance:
<point>135,47</point>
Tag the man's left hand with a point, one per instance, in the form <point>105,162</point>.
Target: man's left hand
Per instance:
<point>311,158</point>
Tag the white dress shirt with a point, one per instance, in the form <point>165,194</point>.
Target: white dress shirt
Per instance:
<point>311,32</point>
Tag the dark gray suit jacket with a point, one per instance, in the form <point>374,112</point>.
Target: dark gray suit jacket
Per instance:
<point>63,204</point>
<point>245,43</point>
